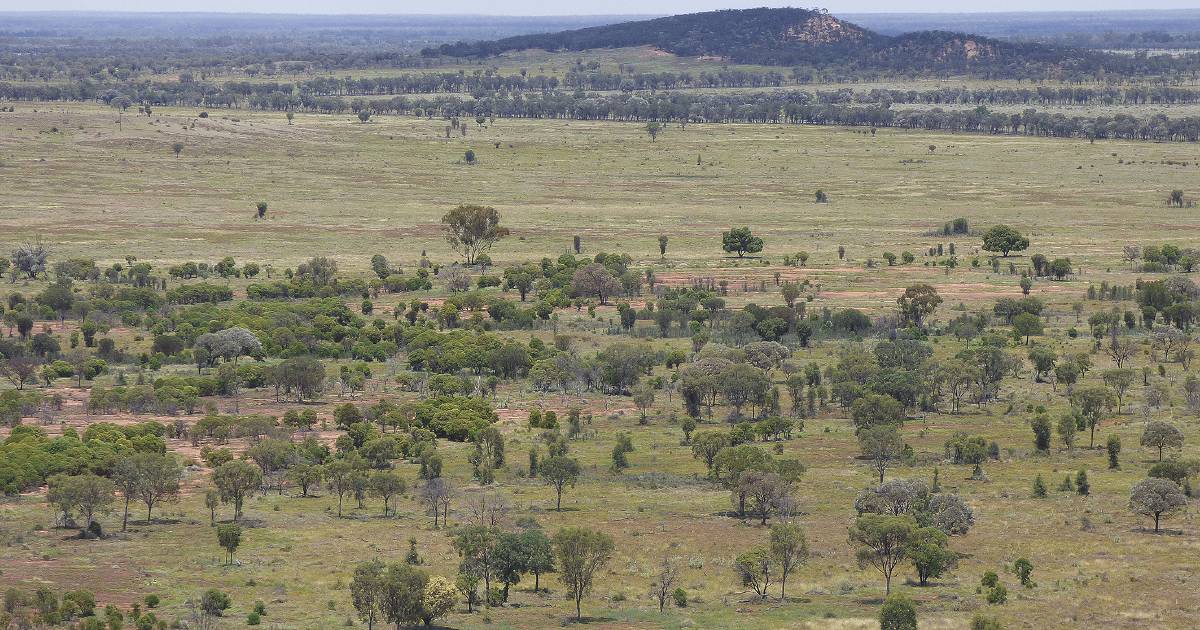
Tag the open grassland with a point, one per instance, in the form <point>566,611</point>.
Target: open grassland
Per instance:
<point>91,182</point>
<point>108,185</point>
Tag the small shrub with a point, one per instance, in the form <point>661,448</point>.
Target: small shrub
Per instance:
<point>898,613</point>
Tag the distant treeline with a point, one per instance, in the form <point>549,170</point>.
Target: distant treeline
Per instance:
<point>581,77</point>
<point>188,92</point>
<point>1113,95</point>
<point>1113,40</point>
<point>777,106</point>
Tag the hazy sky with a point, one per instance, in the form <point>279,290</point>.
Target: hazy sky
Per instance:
<point>569,7</point>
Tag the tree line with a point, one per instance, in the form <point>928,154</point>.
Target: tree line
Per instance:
<point>779,107</point>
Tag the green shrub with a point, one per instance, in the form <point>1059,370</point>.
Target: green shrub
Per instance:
<point>898,613</point>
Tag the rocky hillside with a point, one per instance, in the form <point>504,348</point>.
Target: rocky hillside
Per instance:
<point>784,37</point>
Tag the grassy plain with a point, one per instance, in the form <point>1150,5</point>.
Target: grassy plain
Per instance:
<point>91,182</point>
<point>109,185</point>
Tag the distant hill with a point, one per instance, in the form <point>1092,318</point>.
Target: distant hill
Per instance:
<point>1036,25</point>
<point>781,37</point>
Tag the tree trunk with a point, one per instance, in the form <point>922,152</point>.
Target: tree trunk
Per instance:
<point>125,519</point>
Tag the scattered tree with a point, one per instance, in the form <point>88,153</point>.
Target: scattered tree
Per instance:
<point>789,550</point>
<point>1161,435</point>
<point>882,542</point>
<point>1156,497</point>
<point>581,553</point>
<point>1004,239</point>
<point>559,471</point>
<point>472,230</point>
<point>741,241</point>
<point>229,535</point>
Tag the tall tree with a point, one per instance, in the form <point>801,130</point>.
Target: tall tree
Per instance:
<point>1156,497</point>
<point>86,494</point>
<point>538,555</point>
<point>1003,239</point>
<point>581,553</point>
<point>664,582</point>
<point>236,479</point>
<point>1161,435</point>
<point>559,471</point>
<point>385,485</point>
<point>594,279</point>
<point>917,303</point>
<point>882,445</point>
<point>754,568</point>
<point>929,555</point>
<point>338,476</point>
<point>882,542</point>
<point>477,546</point>
<point>472,230</point>
<point>126,475</point>
<point>402,594</point>
<point>1092,403</point>
<point>229,536</point>
<point>366,590</point>
<point>741,241</point>
<point>789,549</point>
<point>159,477</point>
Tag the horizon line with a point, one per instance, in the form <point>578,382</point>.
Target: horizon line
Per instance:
<point>559,15</point>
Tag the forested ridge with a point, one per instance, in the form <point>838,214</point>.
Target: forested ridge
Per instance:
<point>791,37</point>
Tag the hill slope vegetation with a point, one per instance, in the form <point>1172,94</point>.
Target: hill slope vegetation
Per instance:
<point>788,37</point>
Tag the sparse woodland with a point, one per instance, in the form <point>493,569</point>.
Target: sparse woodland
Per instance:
<point>463,349</point>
